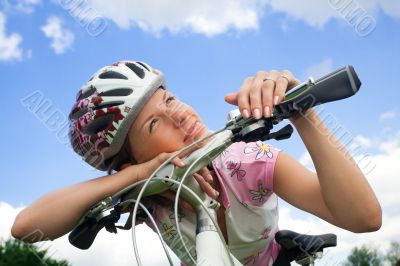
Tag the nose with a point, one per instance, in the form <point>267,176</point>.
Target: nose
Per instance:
<point>178,114</point>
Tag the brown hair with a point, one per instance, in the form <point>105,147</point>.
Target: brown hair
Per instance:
<point>124,156</point>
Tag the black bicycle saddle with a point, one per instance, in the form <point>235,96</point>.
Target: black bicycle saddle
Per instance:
<point>295,246</point>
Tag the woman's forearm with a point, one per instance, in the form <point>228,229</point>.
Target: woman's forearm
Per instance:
<point>345,190</point>
<point>56,213</point>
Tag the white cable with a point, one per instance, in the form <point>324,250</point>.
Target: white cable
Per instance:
<point>148,181</point>
<point>206,208</point>
<point>195,196</point>
<point>154,225</point>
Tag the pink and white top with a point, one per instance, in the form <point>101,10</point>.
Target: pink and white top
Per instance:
<point>245,172</point>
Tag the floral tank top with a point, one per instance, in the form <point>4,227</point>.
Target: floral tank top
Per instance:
<point>245,172</point>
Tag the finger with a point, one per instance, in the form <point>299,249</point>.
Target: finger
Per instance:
<point>178,162</point>
<point>268,89</point>
<point>267,93</point>
<point>205,186</point>
<point>206,174</point>
<point>147,168</point>
<point>255,94</point>
<point>243,97</point>
<point>231,98</point>
<point>293,81</point>
<point>282,85</point>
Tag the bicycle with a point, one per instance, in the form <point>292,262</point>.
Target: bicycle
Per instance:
<point>210,244</point>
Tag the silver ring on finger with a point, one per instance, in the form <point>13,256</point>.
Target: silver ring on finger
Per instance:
<point>285,77</point>
<point>268,78</point>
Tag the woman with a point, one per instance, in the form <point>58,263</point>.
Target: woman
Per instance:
<point>125,120</point>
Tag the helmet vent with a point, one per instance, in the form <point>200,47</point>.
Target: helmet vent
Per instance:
<point>112,75</point>
<point>117,92</point>
<point>138,70</point>
<point>99,124</point>
<point>108,104</point>
<point>87,93</point>
<point>79,113</point>
<point>143,65</point>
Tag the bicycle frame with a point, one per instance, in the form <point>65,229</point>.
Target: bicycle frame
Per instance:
<point>210,245</point>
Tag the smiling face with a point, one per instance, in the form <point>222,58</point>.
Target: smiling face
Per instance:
<point>165,124</point>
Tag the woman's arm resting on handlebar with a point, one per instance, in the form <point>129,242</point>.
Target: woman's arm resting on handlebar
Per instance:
<point>338,192</point>
<point>57,212</point>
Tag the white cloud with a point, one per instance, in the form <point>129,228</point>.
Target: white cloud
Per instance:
<point>61,38</point>
<point>306,160</point>
<point>24,6</point>
<point>9,44</point>
<point>107,249</point>
<point>7,214</point>
<point>385,181</point>
<point>320,69</point>
<point>345,239</point>
<point>363,141</point>
<point>216,17</point>
<point>317,13</point>
<point>387,115</point>
<point>205,17</point>
<point>381,166</point>
<point>110,249</point>
<point>390,7</point>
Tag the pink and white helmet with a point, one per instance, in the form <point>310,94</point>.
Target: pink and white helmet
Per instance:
<point>106,107</point>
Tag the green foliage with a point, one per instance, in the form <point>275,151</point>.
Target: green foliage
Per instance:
<point>17,253</point>
<point>393,255</point>
<point>364,256</point>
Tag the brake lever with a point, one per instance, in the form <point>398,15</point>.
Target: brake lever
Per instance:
<point>337,85</point>
<point>104,214</point>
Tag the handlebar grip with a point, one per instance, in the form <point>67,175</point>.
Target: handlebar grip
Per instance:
<point>84,234</point>
<point>337,85</point>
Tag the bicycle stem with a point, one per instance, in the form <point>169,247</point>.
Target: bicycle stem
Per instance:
<point>338,85</point>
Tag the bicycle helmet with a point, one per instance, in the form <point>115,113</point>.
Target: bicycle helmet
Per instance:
<point>106,107</point>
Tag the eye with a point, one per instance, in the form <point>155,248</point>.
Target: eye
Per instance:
<point>169,99</point>
<point>152,123</point>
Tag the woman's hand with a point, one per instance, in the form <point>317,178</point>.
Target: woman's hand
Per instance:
<point>259,94</point>
<point>203,176</point>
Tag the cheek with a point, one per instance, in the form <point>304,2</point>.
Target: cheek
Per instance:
<point>163,141</point>
<point>169,140</point>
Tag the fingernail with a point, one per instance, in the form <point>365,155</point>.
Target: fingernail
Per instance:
<point>216,194</point>
<point>257,114</point>
<point>245,113</point>
<point>210,177</point>
<point>181,163</point>
<point>276,99</point>
<point>266,111</point>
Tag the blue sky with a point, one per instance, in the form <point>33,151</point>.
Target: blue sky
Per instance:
<point>205,50</point>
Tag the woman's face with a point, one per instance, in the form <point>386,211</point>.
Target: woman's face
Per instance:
<point>164,125</point>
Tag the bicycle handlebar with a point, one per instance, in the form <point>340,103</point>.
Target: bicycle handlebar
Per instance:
<point>337,85</point>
